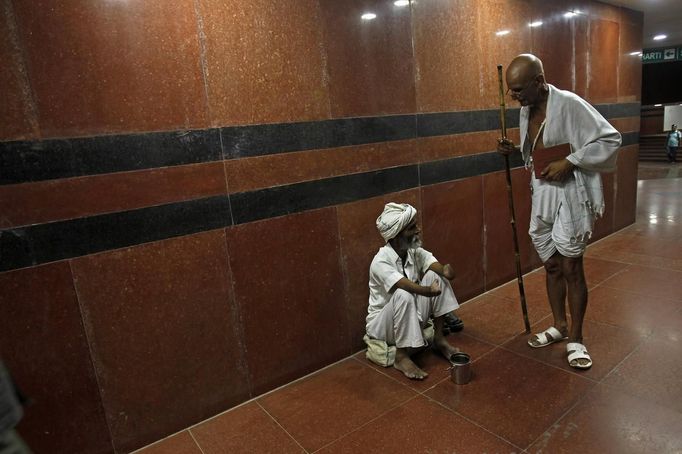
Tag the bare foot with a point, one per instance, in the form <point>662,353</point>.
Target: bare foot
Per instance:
<point>445,349</point>
<point>405,365</point>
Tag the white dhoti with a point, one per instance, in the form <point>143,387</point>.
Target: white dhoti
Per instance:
<point>401,320</point>
<point>558,221</point>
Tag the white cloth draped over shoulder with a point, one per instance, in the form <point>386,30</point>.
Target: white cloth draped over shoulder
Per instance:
<point>594,145</point>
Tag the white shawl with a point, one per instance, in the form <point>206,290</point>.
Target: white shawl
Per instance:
<point>594,143</point>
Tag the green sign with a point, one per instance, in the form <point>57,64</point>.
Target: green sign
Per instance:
<point>662,55</point>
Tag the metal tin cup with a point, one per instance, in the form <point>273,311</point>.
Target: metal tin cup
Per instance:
<point>460,372</point>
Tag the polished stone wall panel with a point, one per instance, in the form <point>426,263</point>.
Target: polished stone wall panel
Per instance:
<point>45,347</point>
<point>265,62</point>
<point>163,313</point>
<point>626,187</point>
<point>99,67</point>
<point>444,77</point>
<point>370,62</point>
<point>603,62</point>
<point>630,66</point>
<point>289,290</point>
<point>17,110</point>
<point>360,241</point>
<point>549,42</point>
<point>452,221</point>
<point>69,198</point>
<point>260,172</point>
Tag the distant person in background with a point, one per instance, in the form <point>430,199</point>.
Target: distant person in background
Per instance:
<point>10,414</point>
<point>673,143</point>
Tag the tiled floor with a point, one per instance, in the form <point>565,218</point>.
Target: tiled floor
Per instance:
<point>519,399</point>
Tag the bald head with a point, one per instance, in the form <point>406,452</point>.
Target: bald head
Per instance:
<point>526,80</point>
<point>524,67</point>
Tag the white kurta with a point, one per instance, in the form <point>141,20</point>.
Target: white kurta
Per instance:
<point>576,203</point>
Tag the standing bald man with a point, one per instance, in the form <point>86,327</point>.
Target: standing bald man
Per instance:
<point>408,287</point>
<point>567,196</point>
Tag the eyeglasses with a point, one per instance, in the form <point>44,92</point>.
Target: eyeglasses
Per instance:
<point>517,92</point>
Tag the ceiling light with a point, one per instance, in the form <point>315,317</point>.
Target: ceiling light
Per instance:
<point>502,32</point>
<point>636,53</point>
<point>368,16</point>
<point>535,24</point>
<point>569,14</point>
<point>658,105</point>
<point>660,37</point>
<point>401,2</point>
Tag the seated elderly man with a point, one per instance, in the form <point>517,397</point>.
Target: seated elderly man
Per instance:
<point>407,287</point>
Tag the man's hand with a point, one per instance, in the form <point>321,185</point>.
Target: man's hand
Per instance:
<point>435,288</point>
<point>448,272</point>
<point>505,146</point>
<point>557,170</point>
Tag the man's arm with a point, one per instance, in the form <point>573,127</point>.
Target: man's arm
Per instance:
<point>445,271</point>
<point>409,286</point>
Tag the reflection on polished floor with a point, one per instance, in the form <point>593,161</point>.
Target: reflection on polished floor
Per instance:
<point>520,399</point>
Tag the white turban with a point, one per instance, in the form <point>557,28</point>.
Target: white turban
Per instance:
<point>394,219</point>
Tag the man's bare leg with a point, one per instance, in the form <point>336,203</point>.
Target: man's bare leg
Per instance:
<point>440,343</point>
<point>556,293</point>
<point>405,365</point>
<point>574,274</point>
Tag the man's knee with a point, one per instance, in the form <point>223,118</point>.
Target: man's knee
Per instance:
<point>553,265</point>
<point>572,268</point>
<point>403,300</point>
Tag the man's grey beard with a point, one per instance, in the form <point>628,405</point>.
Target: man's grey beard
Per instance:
<point>415,242</point>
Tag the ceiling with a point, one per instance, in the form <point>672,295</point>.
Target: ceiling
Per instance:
<point>660,17</point>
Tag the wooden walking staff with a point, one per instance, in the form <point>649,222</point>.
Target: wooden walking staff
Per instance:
<point>517,256</point>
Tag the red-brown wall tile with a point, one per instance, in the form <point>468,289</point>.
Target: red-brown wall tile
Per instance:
<point>289,288</point>
<point>626,124</point>
<point>98,67</point>
<point>450,146</point>
<point>630,66</point>
<point>626,186</point>
<point>264,61</point>
<point>370,62</point>
<point>360,241</point>
<point>17,110</point>
<point>499,246</point>
<point>452,221</point>
<point>44,345</point>
<point>603,61</point>
<point>248,174</point>
<point>552,42</point>
<point>495,15</point>
<point>445,80</point>
<point>52,200</point>
<point>164,335</point>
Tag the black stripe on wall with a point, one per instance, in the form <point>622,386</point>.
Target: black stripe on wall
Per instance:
<point>28,161</point>
<point>22,162</point>
<point>465,166</point>
<point>629,138</point>
<point>28,246</point>
<point>259,140</point>
<point>282,200</point>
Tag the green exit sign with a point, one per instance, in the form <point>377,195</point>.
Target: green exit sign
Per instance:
<point>662,55</point>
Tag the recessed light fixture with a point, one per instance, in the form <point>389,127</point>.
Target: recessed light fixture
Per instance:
<point>401,2</point>
<point>537,23</point>
<point>660,37</point>
<point>658,105</point>
<point>636,53</point>
<point>569,14</point>
<point>368,16</point>
<point>502,32</point>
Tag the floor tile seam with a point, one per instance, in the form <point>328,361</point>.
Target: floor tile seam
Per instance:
<point>196,442</point>
<point>578,401</point>
<point>281,427</point>
<point>639,255</point>
<point>671,299</point>
<point>371,420</point>
<point>385,374</point>
<point>641,343</point>
<point>475,423</point>
<point>576,374</point>
<point>632,395</point>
